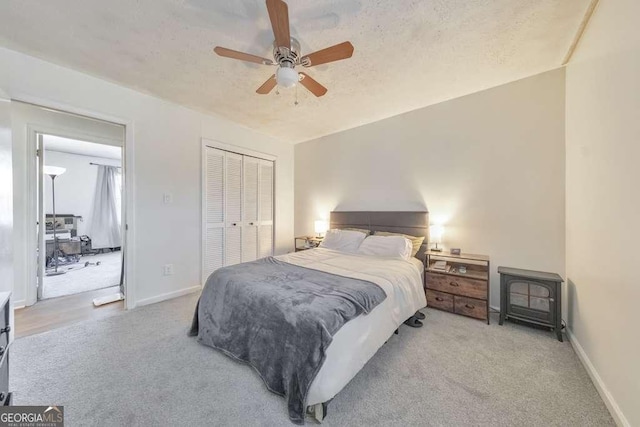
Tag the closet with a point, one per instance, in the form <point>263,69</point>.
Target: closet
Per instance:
<point>237,209</point>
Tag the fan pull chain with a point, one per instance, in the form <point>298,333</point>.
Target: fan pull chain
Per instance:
<point>296,102</point>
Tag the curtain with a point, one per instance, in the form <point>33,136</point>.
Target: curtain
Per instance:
<point>105,223</point>
<point>119,196</point>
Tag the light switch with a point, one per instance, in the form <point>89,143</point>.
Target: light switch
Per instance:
<point>167,198</point>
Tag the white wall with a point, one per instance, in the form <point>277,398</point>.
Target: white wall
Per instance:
<point>490,166</point>
<point>6,203</point>
<point>6,195</point>
<point>603,203</point>
<point>76,188</point>
<point>166,159</point>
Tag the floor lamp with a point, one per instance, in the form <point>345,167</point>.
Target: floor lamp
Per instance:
<point>53,172</point>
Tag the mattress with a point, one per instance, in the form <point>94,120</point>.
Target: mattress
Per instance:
<point>358,340</point>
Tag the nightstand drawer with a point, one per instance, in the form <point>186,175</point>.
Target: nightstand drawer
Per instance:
<point>439,300</point>
<point>470,307</point>
<point>457,285</point>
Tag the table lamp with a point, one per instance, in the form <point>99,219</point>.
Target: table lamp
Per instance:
<point>320,227</point>
<point>435,234</point>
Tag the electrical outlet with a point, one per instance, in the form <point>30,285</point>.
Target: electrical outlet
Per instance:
<point>168,269</point>
<point>167,198</point>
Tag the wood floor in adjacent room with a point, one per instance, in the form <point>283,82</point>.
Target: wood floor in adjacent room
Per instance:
<point>62,311</point>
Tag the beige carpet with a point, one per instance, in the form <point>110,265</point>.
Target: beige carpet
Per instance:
<point>140,368</point>
<point>79,278</point>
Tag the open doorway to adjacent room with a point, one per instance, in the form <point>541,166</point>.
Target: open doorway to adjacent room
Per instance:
<point>73,257</point>
<point>81,202</point>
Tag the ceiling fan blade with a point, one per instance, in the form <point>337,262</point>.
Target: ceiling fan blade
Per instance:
<point>314,87</point>
<point>337,52</point>
<point>279,16</point>
<point>267,86</point>
<point>234,54</point>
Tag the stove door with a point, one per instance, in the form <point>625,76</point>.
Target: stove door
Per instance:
<point>530,299</point>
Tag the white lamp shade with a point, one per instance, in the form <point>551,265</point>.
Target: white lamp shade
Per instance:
<point>435,233</point>
<point>286,77</point>
<point>320,226</point>
<point>53,170</point>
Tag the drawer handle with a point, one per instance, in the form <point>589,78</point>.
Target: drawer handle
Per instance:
<point>469,306</point>
<point>439,299</point>
<point>5,330</point>
<point>454,284</point>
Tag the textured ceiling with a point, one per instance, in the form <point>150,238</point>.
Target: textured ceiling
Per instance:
<point>408,53</point>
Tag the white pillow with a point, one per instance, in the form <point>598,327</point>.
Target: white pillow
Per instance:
<point>387,246</point>
<point>343,240</point>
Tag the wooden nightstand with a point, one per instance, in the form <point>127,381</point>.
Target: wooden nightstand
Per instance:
<point>456,292</point>
<point>302,243</point>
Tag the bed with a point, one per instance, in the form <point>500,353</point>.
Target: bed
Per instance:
<point>326,366</point>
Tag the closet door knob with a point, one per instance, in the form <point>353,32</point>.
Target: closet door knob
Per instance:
<point>234,224</point>
<point>251,223</point>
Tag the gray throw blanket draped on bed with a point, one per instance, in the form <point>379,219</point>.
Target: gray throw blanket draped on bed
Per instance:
<point>280,318</point>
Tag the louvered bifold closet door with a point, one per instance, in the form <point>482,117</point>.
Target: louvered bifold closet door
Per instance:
<point>265,241</point>
<point>251,167</point>
<point>213,250</point>
<point>233,211</point>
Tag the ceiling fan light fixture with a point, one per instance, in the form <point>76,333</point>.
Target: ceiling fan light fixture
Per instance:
<point>287,55</point>
<point>286,77</point>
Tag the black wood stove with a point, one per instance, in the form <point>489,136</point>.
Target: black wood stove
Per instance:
<point>531,296</point>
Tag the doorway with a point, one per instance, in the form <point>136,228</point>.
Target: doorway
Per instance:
<point>80,212</point>
<point>74,227</point>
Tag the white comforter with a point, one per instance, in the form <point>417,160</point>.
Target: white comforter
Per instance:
<point>358,340</point>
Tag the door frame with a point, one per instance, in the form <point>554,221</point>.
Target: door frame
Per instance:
<point>36,196</point>
<point>41,221</point>
<point>212,143</point>
<point>128,216</point>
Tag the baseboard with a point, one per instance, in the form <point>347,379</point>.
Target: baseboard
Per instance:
<point>19,304</point>
<point>168,295</point>
<point>603,391</point>
<point>606,396</point>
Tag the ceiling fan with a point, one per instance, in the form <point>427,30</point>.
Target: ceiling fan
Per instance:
<point>286,54</point>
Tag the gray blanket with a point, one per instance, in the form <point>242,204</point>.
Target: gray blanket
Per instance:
<point>280,319</point>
